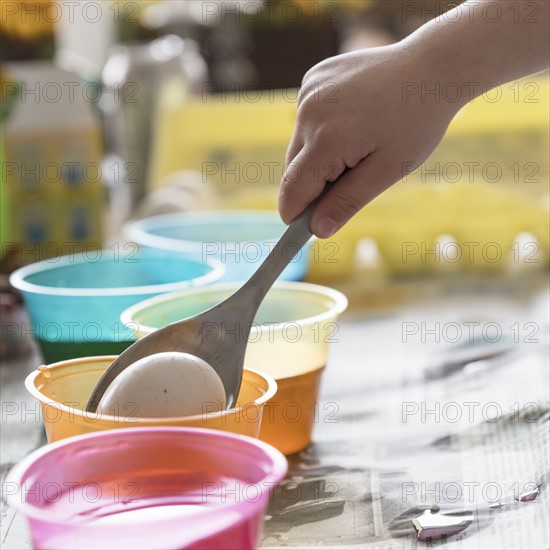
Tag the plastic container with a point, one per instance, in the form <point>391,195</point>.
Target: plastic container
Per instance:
<point>407,221</point>
<point>63,390</point>
<point>241,240</point>
<point>289,340</point>
<point>74,302</point>
<point>505,125</point>
<point>146,488</point>
<point>249,144</point>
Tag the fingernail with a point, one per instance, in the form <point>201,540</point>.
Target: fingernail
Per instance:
<point>325,228</point>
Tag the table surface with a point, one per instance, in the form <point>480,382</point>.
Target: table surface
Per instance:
<point>394,431</point>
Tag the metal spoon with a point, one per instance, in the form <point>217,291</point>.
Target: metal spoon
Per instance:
<point>219,335</point>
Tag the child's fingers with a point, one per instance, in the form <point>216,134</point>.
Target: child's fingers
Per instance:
<point>351,192</point>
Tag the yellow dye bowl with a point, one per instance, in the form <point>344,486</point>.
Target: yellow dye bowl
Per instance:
<point>289,340</point>
<point>63,390</point>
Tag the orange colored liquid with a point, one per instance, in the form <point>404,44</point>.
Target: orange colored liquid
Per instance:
<point>288,419</point>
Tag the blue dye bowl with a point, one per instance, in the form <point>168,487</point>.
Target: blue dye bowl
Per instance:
<point>74,302</point>
<point>241,240</point>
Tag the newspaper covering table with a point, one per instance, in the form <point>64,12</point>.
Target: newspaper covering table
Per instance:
<point>434,408</point>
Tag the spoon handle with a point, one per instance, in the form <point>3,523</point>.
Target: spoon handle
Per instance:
<point>289,245</point>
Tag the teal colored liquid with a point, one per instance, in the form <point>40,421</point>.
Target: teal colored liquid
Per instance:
<point>62,351</point>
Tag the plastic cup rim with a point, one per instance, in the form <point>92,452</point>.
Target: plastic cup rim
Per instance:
<point>340,304</point>
<point>151,422</point>
<point>139,232</point>
<point>18,280</point>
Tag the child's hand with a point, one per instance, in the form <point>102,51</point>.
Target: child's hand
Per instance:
<point>357,112</point>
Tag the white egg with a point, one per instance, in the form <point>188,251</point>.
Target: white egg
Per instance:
<point>164,385</point>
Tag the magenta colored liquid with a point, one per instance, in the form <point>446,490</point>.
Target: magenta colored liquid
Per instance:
<point>146,498</point>
<point>133,505</point>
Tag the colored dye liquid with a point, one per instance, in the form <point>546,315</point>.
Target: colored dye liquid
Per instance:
<point>62,351</point>
<point>191,501</point>
<point>288,418</point>
<point>146,497</point>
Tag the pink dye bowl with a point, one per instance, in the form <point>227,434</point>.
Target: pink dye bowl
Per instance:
<point>147,488</point>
